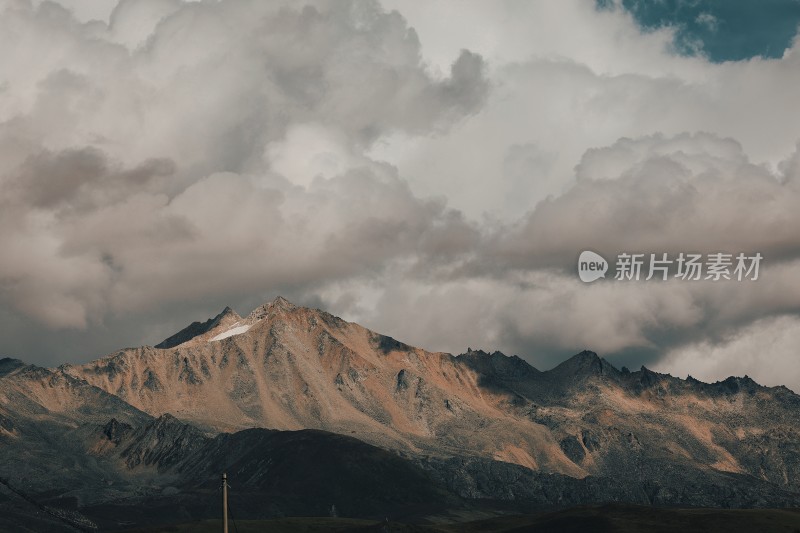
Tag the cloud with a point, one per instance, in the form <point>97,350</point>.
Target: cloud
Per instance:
<point>765,350</point>
<point>518,290</point>
<point>435,181</point>
<point>688,193</point>
<point>160,156</point>
<point>566,95</point>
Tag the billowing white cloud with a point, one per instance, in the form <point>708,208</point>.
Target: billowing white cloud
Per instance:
<point>309,151</point>
<point>518,290</point>
<point>566,92</point>
<point>184,149</point>
<point>688,193</point>
<point>432,172</point>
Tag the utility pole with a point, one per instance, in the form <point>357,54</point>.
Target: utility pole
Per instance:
<point>224,503</point>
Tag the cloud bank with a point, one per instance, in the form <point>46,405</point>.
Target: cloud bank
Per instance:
<point>431,180</point>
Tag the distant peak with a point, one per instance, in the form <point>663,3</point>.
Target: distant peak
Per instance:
<point>585,363</point>
<point>497,364</point>
<point>195,329</point>
<point>282,303</point>
<point>279,303</point>
<point>226,313</point>
<point>8,365</point>
<point>586,357</point>
<point>735,384</point>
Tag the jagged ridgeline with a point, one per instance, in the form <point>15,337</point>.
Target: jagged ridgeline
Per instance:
<point>306,412</point>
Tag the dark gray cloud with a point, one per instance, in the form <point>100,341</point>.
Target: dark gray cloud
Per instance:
<point>79,179</point>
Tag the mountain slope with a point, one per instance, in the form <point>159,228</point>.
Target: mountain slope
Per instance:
<point>46,470</point>
<point>287,367</point>
<point>299,473</point>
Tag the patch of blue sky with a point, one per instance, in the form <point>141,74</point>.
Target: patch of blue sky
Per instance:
<point>721,30</point>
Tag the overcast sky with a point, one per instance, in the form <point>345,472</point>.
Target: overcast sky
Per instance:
<point>431,170</point>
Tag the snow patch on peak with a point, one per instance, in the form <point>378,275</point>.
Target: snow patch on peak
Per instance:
<point>238,330</point>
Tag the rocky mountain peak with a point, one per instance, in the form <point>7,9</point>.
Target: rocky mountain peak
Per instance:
<point>225,318</point>
<point>734,384</point>
<point>228,312</point>
<point>227,324</point>
<point>649,378</point>
<point>497,364</point>
<point>282,303</point>
<point>585,363</point>
<point>279,303</point>
<point>8,365</point>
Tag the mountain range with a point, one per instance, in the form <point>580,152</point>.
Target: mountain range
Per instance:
<point>311,415</point>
